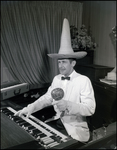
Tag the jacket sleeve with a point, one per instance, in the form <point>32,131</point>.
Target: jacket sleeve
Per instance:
<point>87,104</point>
<point>43,101</point>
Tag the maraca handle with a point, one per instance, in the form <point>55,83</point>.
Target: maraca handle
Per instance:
<point>54,103</point>
<point>62,114</point>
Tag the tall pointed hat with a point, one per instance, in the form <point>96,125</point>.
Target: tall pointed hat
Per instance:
<point>66,50</point>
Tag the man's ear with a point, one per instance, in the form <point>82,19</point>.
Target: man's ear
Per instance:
<point>73,63</point>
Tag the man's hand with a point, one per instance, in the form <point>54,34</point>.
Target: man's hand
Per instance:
<point>24,111</point>
<point>62,105</point>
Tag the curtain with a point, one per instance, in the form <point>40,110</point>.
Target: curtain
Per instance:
<point>29,31</point>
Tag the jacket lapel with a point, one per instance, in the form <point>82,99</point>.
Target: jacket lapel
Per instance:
<point>70,85</point>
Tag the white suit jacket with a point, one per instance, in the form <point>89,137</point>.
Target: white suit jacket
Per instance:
<point>79,92</point>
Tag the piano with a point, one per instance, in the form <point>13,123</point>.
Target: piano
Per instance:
<point>31,133</point>
<point>28,133</point>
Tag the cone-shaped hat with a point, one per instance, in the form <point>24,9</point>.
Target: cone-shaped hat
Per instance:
<point>66,50</point>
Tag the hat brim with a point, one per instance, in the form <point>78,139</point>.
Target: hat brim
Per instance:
<point>77,55</point>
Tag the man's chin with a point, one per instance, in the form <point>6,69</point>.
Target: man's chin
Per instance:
<point>62,73</point>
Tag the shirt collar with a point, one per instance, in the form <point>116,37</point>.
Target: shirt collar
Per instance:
<point>72,73</point>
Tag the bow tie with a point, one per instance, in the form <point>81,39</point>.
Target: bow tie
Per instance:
<point>63,78</point>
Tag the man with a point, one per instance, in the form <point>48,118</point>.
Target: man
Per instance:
<point>78,101</point>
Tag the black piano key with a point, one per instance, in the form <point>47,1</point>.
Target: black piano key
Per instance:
<point>52,132</point>
<point>36,131</point>
<point>15,117</point>
<point>37,135</point>
<point>20,122</point>
<point>56,138</point>
<point>9,113</point>
<point>26,124</point>
<point>42,135</point>
<point>31,127</point>
<point>4,109</point>
<point>48,129</point>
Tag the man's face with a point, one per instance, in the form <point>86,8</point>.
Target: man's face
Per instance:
<point>65,66</point>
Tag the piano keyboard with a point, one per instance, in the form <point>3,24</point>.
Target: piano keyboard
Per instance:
<point>45,135</point>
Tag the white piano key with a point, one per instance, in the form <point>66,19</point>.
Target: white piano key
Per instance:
<point>53,144</point>
<point>50,128</point>
<point>35,122</point>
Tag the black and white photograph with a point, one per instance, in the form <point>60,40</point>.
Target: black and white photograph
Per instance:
<point>58,75</point>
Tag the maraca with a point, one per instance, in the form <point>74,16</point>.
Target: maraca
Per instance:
<point>57,94</point>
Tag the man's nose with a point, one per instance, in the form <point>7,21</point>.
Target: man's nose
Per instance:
<point>60,65</point>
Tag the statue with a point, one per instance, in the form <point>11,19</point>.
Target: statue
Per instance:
<point>112,75</point>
